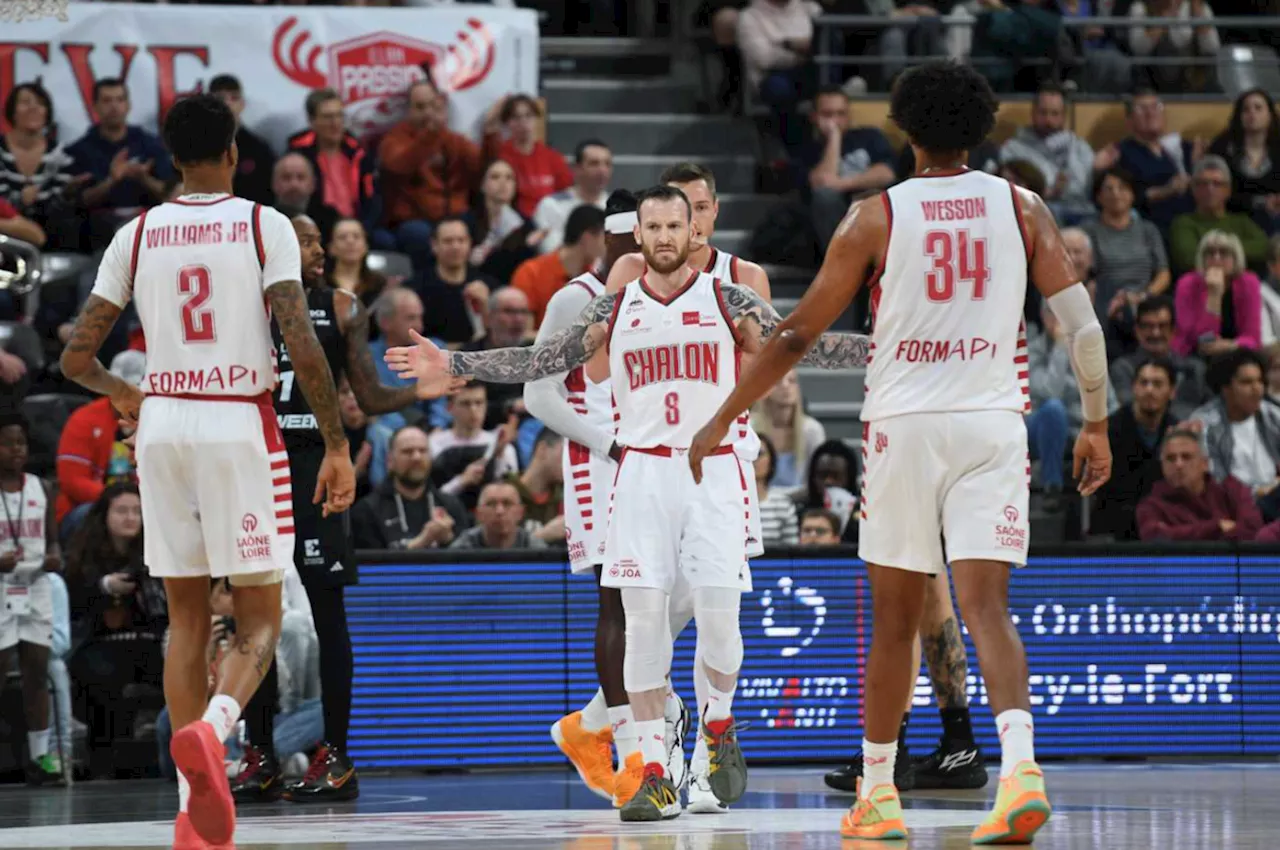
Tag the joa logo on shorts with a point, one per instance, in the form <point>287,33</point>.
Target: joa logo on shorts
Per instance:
<point>626,568</point>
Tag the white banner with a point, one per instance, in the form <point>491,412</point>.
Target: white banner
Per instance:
<point>476,55</point>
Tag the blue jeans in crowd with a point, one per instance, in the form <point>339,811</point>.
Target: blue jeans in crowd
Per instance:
<point>296,732</point>
<point>1047,433</point>
<point>411,237</point>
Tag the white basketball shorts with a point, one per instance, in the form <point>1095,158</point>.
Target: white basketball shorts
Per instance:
<point>216,492</point>
<point>26,611</point>
<point>962,476</point>
<point>662,525</point>
<point>588,486</point>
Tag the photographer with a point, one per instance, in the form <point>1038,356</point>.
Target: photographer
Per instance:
<point>122,615</point>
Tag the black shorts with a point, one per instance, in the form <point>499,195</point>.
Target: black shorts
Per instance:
<point>322,548</point>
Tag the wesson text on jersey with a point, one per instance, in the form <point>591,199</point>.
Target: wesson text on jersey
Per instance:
<point>960,209</point>
<point>215,381</point>
<point>690,361</point>
<point>942,350</point>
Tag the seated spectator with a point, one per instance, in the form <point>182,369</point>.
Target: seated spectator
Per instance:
<point>293,190</point>
<point>18,226</point>
<point>1064,160</point>
<point>1270,293</point>
<point>121,617</point>
<point>1056,412</point>
<point>456,291</point>
<point>917,31</point>
<point>343,169</point>
<point>1080,249</point>
<point>355,422</point>
<point>831,483</point>
<point>780,416</point>
<point>1188,504</point>
<point>407,511</point>
<point>1106,69</point>
<point>428,173</point>
<point>37,177</point>
<point>256,160</point>
<point>128,167</point>
<point>1158,165</point>
<point>503,238</point>
<point>583,247</point>
<point>1128,251</point>
<point>1154,330</point>
<point>464,456</point>
<point>1136,432</point>
<point>820,527</point>
<point>510,323</point>
<point>1211,187</point>
<point>1251,147</point>
<point>511,134</point>
<point>92,455</point>
<point>349,262</point>
<point>1241,435</point>
<point>778,524</point>
<point>1219,307</point>
<point>841,163</point>
<point>721,18</point>
<point>985,157</point>
<point>1178,42</point>
<point>541,487</point>
<point>776,39</point>
<point>592,171</point>
<point>499,515</point>
<point>396,312</point>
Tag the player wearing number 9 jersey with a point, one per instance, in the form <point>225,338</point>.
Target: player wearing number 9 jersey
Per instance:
<point>207,272</point>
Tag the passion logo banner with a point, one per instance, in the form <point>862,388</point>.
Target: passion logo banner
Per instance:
<point>475,54</point>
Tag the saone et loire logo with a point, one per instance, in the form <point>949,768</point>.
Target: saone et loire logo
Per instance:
<point>249,523</point>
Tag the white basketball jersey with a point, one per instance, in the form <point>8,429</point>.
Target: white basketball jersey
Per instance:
<point>723,266</point>
<point>197,270</point>
<point>947,309</point>
<point>673,361</point>
<point>22,527</point>
<point>590,400</point>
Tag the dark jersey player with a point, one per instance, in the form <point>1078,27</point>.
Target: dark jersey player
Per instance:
<point>322,547</point>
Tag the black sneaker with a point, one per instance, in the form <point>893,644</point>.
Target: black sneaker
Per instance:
<point>846,778</point>
<point>46,770</point>
<point>331,778</point>
<point>259,778</point>
<point>952,765</point>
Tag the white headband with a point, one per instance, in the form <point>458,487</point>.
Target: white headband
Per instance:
<point>621,222</point>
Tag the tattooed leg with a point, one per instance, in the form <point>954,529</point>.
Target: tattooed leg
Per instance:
<point>258,612</point>
<point>943,647</point>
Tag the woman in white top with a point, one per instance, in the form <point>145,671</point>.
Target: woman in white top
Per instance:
<point>780,416</point>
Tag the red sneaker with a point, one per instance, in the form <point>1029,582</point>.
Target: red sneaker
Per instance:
<point>185,838</point>
<point>199,755</point>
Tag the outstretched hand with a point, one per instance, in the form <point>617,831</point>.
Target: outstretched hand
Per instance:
<point>425,363</point>
<point>706,441</point>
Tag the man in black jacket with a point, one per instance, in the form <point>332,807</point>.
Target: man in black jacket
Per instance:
<point>1136,431</point>
<point>407,511</point>
<point>253,171</point>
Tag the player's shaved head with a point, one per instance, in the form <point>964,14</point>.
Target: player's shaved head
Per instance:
<point>310,249</point>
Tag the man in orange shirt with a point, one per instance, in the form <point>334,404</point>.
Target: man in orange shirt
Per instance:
<point>583,248</point>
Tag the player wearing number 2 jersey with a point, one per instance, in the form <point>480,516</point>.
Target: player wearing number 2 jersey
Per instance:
<point>945,442</point>
<point>207,272</point>
<point>672,338</point>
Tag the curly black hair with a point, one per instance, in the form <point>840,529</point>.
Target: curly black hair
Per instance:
<point>199,129</point>
<point>943,107</point>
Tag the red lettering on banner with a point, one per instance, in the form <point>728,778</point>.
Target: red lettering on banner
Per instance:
<point>8,68</point>
<point>166,86</point>
<point>78,56</point>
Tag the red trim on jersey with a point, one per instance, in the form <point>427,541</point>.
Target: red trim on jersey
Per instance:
<point>257,236</point>
<point>183,203</point>
<point>1022,225</point>
<point>943,172</point>
<point>667,451</point>
<point>665,302</point>
<point>137,248</point>
<point>262,400</point>
<point>584,286</point>
<point>613,320</point>
<point>711,261</point>
<point>874,281</point>
<point>724,312</point>
<point>733,270</point>
<point>274,440</point>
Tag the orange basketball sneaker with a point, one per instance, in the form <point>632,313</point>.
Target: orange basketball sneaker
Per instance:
<point>199,754</point>
<point>590,753</point>
<point>185,837</point>
<point>626,782</point>
<point>1021,808</point>
<point>876,818</point>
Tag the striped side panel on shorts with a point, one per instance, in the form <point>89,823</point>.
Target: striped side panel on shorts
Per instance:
<point>281,480</point>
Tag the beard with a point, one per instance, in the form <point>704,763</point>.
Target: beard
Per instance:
<point>669,262</point>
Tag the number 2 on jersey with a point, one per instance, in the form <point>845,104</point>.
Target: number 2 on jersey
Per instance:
<point>672,404</point>
<point>955,256</point>
<point>197,319</point>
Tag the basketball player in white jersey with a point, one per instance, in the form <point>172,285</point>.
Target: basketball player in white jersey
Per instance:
<point>699,185</point>
<point>672,338</point>
<point>28,550</point>
<point>943,418</point>
<point>207,273</point>
<point>581,410</point>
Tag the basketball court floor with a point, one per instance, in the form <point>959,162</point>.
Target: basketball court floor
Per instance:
<point>1227,806</point>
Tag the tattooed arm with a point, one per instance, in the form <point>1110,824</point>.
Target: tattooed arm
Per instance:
<point>80,358</point>
<point>757,320</point>
<point>372,396</point>
<point>571,347</point>
<point>289,309</point>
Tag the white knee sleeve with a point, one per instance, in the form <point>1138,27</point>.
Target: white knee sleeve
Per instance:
<point>716,612</point>
<point>648,655</point>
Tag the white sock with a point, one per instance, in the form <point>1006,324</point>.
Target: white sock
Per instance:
<point>38,743</point>
<point>653,744</point>
<point>877,765</point>
<point>1017,739</point>
<point>624,732</point>
<point>719,703</point>
<point>222,714</point>
<point>671,709</point>
<point>701,755</point>
<point>184,792</point>
<point>595,714</point>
